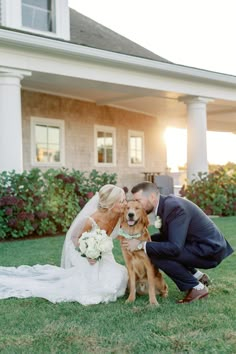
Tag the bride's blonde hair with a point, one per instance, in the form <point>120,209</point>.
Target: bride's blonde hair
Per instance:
<point>109,195</point>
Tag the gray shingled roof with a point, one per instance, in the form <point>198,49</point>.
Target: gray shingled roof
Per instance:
<point>85,31</point>
<point>89,33</point>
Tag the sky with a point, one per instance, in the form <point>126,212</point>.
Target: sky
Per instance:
<point>197,33</point>
<point>215,153</point>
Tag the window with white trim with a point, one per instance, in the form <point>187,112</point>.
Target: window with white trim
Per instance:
<point>50,17</point>
<point>47,141</point>
<point>105,142</point>
<point>39,15</point>
<point>136,148</point>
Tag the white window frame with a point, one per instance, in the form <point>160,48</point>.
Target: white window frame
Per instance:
<point>106,129</point>
<point>55,123</point>
<point>136,133</point>
<point>12,17</point>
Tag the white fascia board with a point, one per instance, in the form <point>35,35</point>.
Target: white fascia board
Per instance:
<point>10,71</point>
<point>56,47</point>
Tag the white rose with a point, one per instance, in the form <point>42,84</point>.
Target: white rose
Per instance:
<point>93,253</point>
<point>92,242</point>
<point>103,233</point>
<point>84,235</point>
<point>105,244</point>
<point>157,222</point>
<point>82,245</point>
<point>94,233</point>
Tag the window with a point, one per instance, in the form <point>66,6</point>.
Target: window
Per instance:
<point>136,148</point>
<point>47,136</point>
<point>105,145</point>
<point>39,15</point>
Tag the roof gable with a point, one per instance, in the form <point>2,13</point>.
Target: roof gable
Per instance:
<point>85,31</point>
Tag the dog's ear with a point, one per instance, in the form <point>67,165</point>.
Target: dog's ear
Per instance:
<point>122,218</point>
<point>144,218</point>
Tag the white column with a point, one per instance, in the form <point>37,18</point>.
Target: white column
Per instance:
<point>10,122</point>
<point>197,135</point>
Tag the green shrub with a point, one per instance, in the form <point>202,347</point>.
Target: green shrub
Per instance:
<point>36,202</point>
<point>215,193</point>
<point>22,204</point>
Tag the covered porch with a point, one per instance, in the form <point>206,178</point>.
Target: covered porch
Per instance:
<point>175,95</point>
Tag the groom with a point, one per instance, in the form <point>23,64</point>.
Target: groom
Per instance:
<point>188,239</point>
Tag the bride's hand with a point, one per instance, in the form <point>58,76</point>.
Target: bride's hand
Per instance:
<point>91,261</point>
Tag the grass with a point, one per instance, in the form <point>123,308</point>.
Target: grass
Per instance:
<point>37,326</point>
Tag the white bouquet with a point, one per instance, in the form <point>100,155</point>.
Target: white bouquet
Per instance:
<point>92,244</point>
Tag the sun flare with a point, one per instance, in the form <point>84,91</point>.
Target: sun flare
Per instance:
<point>221,147</point>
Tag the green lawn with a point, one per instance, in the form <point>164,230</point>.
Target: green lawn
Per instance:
<point>37,326</point>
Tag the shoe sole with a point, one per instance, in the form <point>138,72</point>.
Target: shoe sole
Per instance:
<point>202,297</point>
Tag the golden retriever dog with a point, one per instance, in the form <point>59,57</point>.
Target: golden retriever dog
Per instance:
<point>144,278</point>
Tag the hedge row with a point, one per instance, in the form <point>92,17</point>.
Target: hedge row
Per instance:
<point>41,203</point>
<point>215,192</point>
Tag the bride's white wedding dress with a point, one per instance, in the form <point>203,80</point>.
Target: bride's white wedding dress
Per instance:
<point>78,281</point>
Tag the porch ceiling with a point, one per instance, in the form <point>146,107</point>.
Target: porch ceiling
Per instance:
<point>165,105</point>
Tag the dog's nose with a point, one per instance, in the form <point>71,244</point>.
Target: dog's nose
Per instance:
<point>130,215</point>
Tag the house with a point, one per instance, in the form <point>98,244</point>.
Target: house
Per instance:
<point>75,94</point>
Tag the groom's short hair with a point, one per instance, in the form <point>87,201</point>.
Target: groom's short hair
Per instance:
<point>146,187</point>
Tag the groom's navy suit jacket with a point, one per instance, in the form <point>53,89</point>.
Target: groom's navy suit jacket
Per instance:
<point>185,225</point>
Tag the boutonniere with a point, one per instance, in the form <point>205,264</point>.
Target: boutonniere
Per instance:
<point>157,222</point>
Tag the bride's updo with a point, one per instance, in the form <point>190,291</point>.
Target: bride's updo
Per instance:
<point>109,195</point>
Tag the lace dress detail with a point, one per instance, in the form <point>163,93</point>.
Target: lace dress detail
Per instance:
<point>79,281</point>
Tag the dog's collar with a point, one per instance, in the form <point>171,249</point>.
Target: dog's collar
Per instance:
<point>128,236</point>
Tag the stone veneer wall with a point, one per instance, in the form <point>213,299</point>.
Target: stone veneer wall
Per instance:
<point>80,118</point>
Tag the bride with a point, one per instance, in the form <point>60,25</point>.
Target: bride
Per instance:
<point>78,279</point>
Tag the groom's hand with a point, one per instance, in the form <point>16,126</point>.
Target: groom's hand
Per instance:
<point>130,245</point>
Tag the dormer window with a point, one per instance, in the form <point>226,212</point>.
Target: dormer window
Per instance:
<point>43,17</point>
<point>39,15</point>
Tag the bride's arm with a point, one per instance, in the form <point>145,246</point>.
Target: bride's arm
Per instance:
<point>87,227</point>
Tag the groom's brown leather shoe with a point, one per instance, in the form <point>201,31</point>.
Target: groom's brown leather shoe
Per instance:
<point>193,295</point>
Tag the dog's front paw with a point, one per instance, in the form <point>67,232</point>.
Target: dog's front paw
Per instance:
<point>164,295</point>
<point>154,302</point>
<point>130,299</point>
